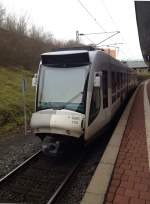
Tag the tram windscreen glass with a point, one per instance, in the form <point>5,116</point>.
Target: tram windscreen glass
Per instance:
<point>62,88</point>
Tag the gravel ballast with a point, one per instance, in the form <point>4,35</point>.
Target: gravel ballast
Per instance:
<point>16,148</point>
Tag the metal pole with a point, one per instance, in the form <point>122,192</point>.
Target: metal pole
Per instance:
<point>77,36</point>
<point>98,33</point>
<point>24,84</point>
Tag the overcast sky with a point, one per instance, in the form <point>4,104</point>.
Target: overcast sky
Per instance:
<point>64,17</point>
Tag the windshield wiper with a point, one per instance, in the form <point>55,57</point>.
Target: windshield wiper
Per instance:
<point>72,99</point>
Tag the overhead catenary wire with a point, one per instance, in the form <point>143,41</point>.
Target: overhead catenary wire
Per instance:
<point>109,14</point>
<point>114,23</point>
<point>90,40</point>
<point>92,16</point>
<point>108,37</point>
<point>95,20</point>
<point>98,33</point>
<point>119,43</point>
<point>100,26</point>
<point>86,34</point>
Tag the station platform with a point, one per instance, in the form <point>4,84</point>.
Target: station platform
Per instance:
<point>123,174</point>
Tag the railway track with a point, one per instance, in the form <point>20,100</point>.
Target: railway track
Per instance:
<point>38,180</point>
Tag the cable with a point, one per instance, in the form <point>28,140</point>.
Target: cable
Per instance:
<point>90,40</point>
<point>95,20</point>
<point>108,37</point>
<point>110,16</point>
<point>91,15</point>
<point>115,25</point>
<point>120,43</point>
<point>98,33</point>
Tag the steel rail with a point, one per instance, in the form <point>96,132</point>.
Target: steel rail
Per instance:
<point>65,181</point>
<point>11,173</point>
<point>59,188</point>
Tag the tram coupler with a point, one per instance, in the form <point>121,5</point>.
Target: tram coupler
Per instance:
<point>51,147</point>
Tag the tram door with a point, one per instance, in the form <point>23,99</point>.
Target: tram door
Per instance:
<point>93,122</point>
<point>105,90</point>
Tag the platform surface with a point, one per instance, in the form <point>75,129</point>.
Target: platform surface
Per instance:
<point>123,174</point>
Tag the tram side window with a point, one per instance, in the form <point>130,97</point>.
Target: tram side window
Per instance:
<point>113,82</point>
<point>105,88</point>
<point>113,79</point>
<point>95,104</point>
<point>124,80</point>
<point>128,80</point>
<point>118,84</point>
<point>118,81</point>
<point>121,80</point>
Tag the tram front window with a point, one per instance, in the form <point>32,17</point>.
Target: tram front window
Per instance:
<point>62,88</point>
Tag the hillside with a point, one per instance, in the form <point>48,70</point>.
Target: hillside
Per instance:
<point>21,46</point>
<point>11,98</point>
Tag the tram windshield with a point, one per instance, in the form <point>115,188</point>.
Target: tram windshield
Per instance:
<point>63,88</point>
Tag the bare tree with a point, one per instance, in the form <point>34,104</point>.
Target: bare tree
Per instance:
<point>21,26</point>
<point>47,37</point>
<point>72,43</point>
<point>10,23</point>
<point>2,14</point>
<point>22,47</point>
<point>35,33</point>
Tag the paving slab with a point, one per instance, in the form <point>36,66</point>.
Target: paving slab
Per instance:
<point>130,181</point>
<point>100,182</point>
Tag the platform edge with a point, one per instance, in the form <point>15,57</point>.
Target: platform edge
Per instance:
<point>100,180</point>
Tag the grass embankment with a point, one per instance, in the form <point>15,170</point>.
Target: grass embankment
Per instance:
<point>11,98</point>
